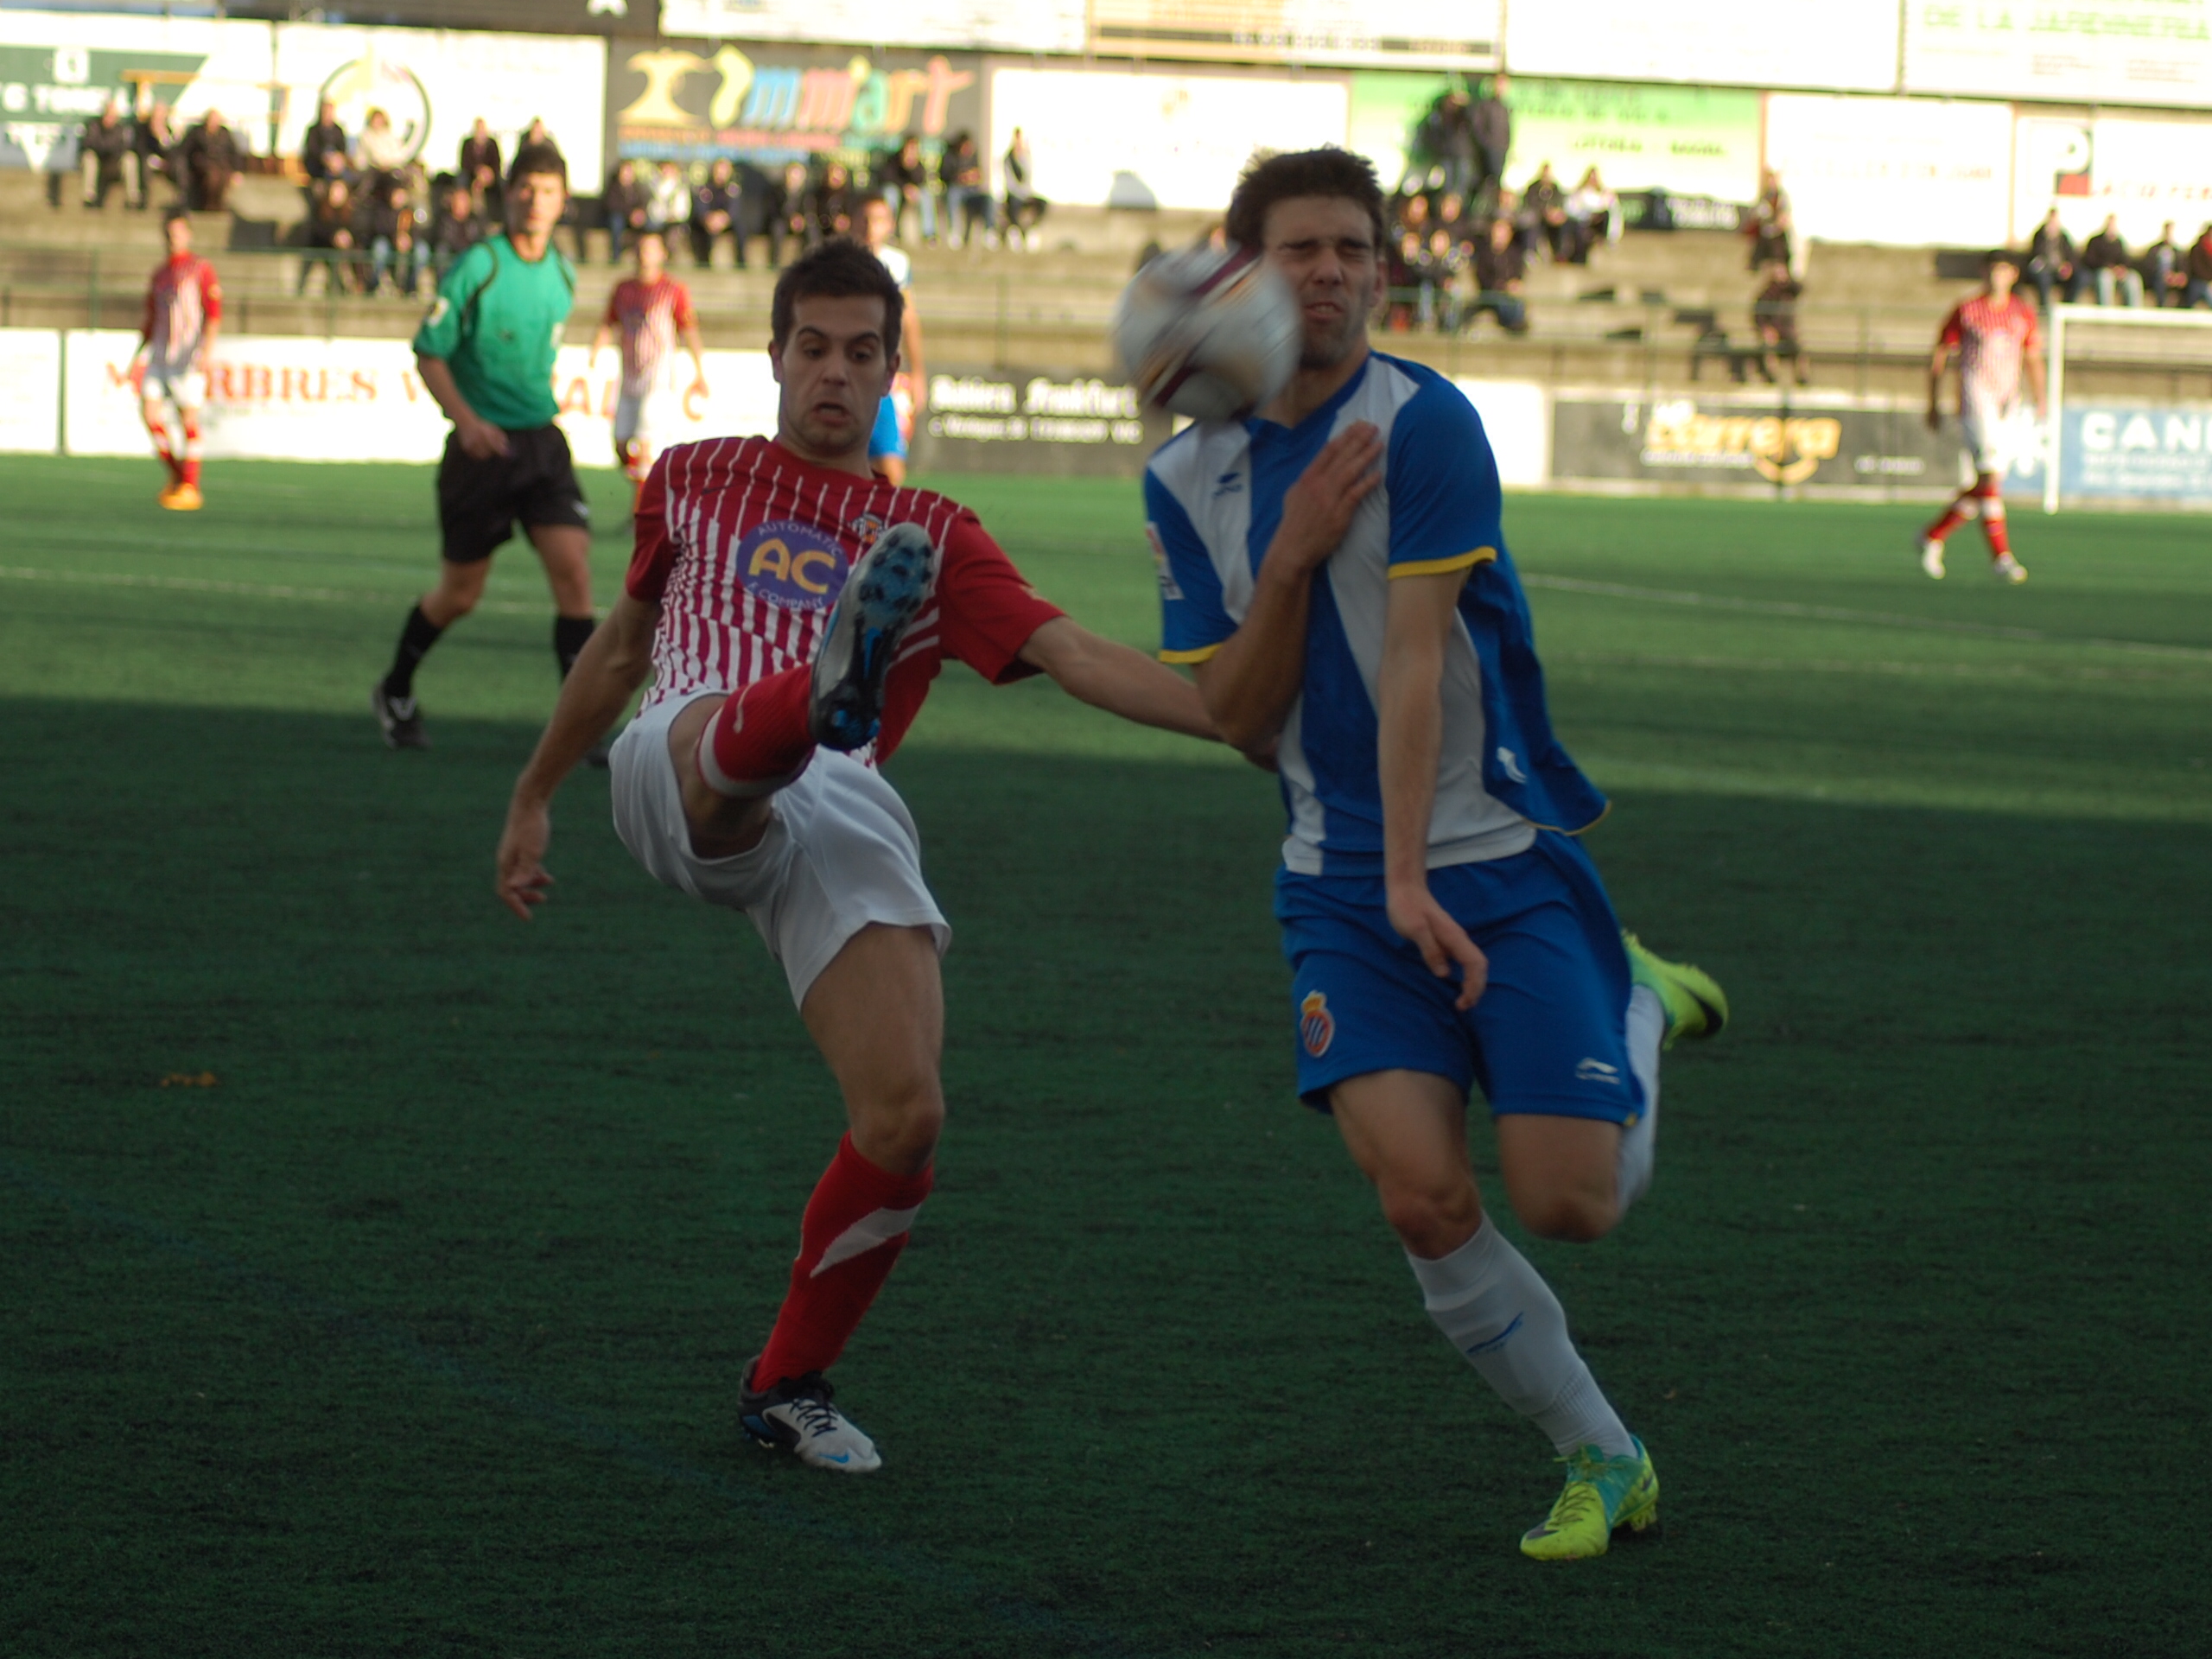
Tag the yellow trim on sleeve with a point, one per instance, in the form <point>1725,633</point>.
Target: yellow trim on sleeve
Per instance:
<point>1198,656</point>
<point>1438,567</point>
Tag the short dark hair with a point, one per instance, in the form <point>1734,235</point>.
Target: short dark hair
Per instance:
<point>175,212</point>
<point>1327,171</point>
<point>2001,256</point>
<point>840,269</point>
<point>532,158</point>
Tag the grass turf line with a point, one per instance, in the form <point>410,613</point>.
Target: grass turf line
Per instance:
<point>1912,1302</point>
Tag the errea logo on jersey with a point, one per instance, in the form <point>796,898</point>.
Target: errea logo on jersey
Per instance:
<point>1598,1071</point>
<point>792,564</point>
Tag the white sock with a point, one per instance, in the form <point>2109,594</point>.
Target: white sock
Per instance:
<point>1500,1313</point>
<point>1647,1025</point>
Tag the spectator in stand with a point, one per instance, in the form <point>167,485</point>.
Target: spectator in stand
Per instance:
<point>623,201</point>
<point>2196,272</point>
<point>906,183</point>
<point>1490,124</point>
<point>1774,315</point>
<point>455,231</point>
<point>756,211</point>
<point>834,202</point>
<point>793,205</point>
<point>380,153</point>
<point>2160,269</point>
<point>1500,270</point>
<point>156,146</point>
<point>2111,267</point>
<point>2051,261</point>
<point>1025,208</point>
<point>481,166</point>
<point>1592,212</point>
<point>1770,227</point>
<point>392,242</point>
<point>966,200</point>
<point>208,160</point>
<point>714,208</point>
<point>1546,203</point>
<point>331,239</point>
<point>323,151</point>
<point>1447,138</point>
<point>106,157</point>
<point>668,199</point>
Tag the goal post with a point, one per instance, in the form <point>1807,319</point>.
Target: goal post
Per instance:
<point>2179,351</point>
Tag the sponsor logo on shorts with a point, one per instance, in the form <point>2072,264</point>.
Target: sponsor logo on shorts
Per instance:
<point>1317,1026</point>
<point>1598,1071</point>
<point>792,564</point>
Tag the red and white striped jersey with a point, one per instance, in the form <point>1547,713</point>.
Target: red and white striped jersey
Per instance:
<point>1991,337</point>
<point>648,316</point>
<point>744,547</point>
<point>181,300</point>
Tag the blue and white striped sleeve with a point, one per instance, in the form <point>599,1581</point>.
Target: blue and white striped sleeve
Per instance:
<point>1194,622</point>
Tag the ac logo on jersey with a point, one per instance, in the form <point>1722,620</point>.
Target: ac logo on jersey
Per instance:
<point>792,564</point>
<point>1317,1026</point>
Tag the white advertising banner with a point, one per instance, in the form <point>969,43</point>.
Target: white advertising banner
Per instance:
<point>1398,33</point>
<point>59,69</point>
<point>30,392</point>
<point>1146,138</point>
<point>281,398</point>
<point>988,25</point>
<point>1906,171</point>
<point>2085,52</point>
<point>1517,419</point>
<point>1833,45</point>
<point>2145,171</point>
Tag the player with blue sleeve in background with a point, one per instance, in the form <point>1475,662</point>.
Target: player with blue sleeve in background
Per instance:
<point>1335,572</point>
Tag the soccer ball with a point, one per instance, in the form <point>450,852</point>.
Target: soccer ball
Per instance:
<point>1210,335</point>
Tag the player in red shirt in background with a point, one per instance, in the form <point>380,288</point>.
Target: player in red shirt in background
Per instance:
<point>791,607</point>
<point>647,311</point>
<point>184,303</point>
<point>1996,337</point>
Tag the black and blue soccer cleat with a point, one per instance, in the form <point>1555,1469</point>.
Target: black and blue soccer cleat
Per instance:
<point>884,591</point>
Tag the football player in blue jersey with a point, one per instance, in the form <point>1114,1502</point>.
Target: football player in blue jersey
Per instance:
<point>1335,571</point>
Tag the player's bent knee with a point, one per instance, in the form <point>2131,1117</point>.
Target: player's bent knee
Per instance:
<point>1431,1218</point>
<point>1567,1216</point>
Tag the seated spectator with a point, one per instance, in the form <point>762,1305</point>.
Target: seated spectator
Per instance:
<point>2160,269</point>
<point>391,241</point>
<point>906,183</point>
<point>156,144</point>
<point>1413,214</point>
<point>1770,227</point>
<point>966,201</point>
<point>2197,271</point>
<point>1774,314</point>
<point>714,208</point>
<point>481,167</point>
<point>623,201</point>
<point>833,203</point>
<point>2051,261</point>
<point>1592,212</point>
<point>455,231</point>
<point>1545,204</point>
<point>323,151</point>
<point>2111,268</point>
<point>1025,208</point>
<point>668,199</point>
<point>793,205</point>
<point>106,157</point>
<point>208,160</point>
<point>331,239</point>
<point>380,155</point>
<point>1500,270</point>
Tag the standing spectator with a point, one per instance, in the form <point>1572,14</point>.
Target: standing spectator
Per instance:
<point>2107,260</point>
<point>106,157</point>
<point>1491,125</point>
<point>156,145</point>
<point>1774,314</point>
<point>1592,212</point>
<point>208,160</point>
<point>323,151</point>
<point>623,204</point>
<point>2051,260</point>
<point>331,239</point>
<point>536,135</point>
<point>668,199</point>
<point>833,203</point>
<point>714,213</point>
<point>1772,231</point>
<point>966,200</point>
<point>756,211</point>
<point>2197,271</point>
<point>481,166</point>
<point>391,241</point>
<point>1500,270</point>
<point>2160,269</point>
<point>1545,203</point>
<point>906,182</point>
<point>456,230</point>
<point>1025,208</point>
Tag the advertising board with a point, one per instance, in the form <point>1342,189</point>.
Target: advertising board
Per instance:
<point>2137,452</point>
<point>1147,137</point>
<point>2145,170</point>
<point>1448,33</point>
<point>30,406</point>
<point>769,105</point>
<point>1825,45</point>
<point>2153,51</point>
<point>1745,443</point>
<point>59,69</point>
<point>1906,171</point>
<point>1516,419</point>
<point>1030,421</point>
<point>988,25</point>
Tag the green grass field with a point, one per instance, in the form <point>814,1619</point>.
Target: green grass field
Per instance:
<point>409,1324</point>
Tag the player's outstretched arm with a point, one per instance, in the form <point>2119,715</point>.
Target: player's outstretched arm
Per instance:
<point>1410,736</point>
<point>1250,684</point>
<point>1117,678</point>
<point>613,663</point>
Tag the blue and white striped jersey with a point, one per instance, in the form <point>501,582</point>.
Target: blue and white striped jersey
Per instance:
<point>1214,498</point>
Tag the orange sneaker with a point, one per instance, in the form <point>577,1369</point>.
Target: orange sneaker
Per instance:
<point>182,498</point>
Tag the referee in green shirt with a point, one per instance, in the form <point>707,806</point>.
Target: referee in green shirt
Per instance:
<point>485,353</point>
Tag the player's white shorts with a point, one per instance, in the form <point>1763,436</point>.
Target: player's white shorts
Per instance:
<point>840,851</point>
<point>1995,437</point>
<point>186,387</point>
<point>654,419</point>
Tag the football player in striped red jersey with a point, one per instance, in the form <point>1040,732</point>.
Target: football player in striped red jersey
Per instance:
<point>1999,345</point>
<point>184,304</point>
<point>791,607</point>
<point>646,314</point>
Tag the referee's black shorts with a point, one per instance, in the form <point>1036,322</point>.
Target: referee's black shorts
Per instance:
<point>479,501</point>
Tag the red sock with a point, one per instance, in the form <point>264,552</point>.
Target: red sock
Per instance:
<point>188,471</point>
<point>759,737</point>
<point>1993,525</point>
<point>856,1226</point>
<point>1955,515</point>
<point>157,427</point>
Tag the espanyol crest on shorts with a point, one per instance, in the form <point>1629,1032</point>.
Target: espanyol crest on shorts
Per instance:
<point>1317,1026</point>
<point>792,564</point>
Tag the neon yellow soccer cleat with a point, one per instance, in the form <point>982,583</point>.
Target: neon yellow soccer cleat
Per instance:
<point>1603,1494</point>
<point>1696,1006</point>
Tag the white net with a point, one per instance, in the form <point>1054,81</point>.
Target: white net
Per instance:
<point>2130,408</point>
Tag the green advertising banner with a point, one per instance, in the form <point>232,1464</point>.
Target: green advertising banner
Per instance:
<point>1694,140</point>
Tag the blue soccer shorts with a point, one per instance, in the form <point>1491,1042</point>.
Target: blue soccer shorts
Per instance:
<point>1549,1035</point>
<point>889,437</point>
